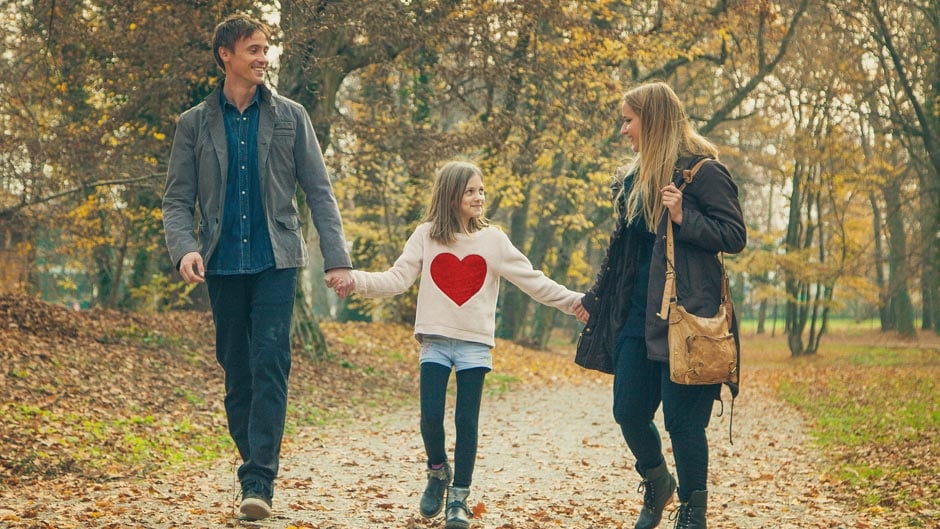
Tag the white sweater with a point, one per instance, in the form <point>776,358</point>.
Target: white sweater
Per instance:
<point>460,282</point>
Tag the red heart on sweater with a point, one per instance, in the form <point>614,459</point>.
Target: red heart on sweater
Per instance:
<point>459,279</point>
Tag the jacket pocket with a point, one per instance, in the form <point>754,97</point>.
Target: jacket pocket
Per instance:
<point>204,230</point>
<point>284,130</point>
<point>288,222</point>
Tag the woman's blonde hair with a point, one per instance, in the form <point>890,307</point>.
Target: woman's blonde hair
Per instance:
<point>665,136</point>
<point>446,195</point>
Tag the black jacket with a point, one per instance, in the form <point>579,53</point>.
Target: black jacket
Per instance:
<point>712,222</point>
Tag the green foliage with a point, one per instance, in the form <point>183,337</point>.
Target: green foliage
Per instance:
<point>161,294</point>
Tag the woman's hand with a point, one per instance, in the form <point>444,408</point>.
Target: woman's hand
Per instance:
<point>672,200</point>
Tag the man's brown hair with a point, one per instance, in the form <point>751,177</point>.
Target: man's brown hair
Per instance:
<point>233,29</point>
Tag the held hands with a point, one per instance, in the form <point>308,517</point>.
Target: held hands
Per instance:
<point>580,312</point>
<point>341,281</point>
<point>672,200</point>
<point>192,268</point>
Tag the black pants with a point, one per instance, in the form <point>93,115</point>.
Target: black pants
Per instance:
<point>640,385</point>
<point>252,314</point>
<point>434,378</point>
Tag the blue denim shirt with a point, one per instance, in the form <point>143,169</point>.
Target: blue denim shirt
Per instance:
<point>244,243</point>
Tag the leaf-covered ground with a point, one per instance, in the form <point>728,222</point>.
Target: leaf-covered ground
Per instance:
<point>114,420</point>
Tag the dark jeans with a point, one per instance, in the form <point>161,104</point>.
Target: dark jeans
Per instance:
<point>640,385</point>
<point>434,379</point>
<point>252,314</point>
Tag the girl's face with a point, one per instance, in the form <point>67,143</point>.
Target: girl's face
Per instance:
<point>471,203</point>
<point>631,127</point>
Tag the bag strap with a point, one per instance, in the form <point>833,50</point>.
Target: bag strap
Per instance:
<point>669,288</point>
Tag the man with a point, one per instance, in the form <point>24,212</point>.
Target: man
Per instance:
<point>239,155</point>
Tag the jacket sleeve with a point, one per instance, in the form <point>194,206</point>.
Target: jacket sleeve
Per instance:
<point>399,277</point>
<point>718,224</point>
<point>315,182</point>
<point>517,268</point>
<point>179,195</point>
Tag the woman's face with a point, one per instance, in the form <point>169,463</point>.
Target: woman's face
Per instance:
<point>631,127</point>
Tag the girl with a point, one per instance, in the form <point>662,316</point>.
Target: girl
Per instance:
<point>621,307</point>
<point>459,258</point>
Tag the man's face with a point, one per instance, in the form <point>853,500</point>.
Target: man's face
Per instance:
<point>248,61</point>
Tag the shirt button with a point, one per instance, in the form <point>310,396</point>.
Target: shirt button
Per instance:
<point>245,241</point>
<point>243,168</point>
<point>243,192</point>
<point>243,142</point>
<point>244,217</point>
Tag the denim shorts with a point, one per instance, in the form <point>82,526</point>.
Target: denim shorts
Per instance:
<point>458,354</point>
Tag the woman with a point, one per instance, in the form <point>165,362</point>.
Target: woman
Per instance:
<point>620,310</point>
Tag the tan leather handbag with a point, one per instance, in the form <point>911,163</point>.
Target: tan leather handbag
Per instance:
<point>701,350</point>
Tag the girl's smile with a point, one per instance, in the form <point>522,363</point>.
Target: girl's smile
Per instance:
<point>471,204</point>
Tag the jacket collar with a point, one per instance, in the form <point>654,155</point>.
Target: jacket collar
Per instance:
<point>213,100</point>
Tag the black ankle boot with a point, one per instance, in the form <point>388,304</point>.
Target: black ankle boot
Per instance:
<point>691,514</point>
<point>458,514</point>
<point>657,486</point>
<point>432,501</point>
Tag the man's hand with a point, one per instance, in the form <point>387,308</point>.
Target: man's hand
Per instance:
<point>340,280</point>
<point>192,269</point>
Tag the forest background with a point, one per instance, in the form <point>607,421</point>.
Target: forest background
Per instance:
<point>828,115</point>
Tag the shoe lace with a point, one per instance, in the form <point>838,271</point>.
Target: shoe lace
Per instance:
<point>258,487</point>
<point>649,493</point>
<point>681,515</point>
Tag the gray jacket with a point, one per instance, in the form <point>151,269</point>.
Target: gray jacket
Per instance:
<point>288,154</point>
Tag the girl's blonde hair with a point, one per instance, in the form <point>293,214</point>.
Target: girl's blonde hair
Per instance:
<point>446,195</point>
<point>665,136</point>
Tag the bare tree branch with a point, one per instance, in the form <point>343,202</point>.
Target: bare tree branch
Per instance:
<point>9,211</point>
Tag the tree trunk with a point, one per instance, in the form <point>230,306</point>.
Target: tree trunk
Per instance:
<point>761,316</point>
<point>897,262</point>
<point>545,323</point>
<point>792,286</point>
<point>884,314</point>
<point>515,303</point>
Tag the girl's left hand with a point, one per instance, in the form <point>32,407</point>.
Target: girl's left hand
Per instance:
<point>580,312</point>
<point>672,200</point>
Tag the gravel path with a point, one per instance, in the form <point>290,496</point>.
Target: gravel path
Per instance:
<point>548,457</point>
<point>553,457</point>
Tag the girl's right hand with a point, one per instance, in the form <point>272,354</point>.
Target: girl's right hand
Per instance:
<point>341,281</point>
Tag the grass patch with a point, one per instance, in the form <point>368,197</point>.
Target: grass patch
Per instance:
<point>875,413</point>
<point>105,445</point>
<point>499,383</point>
